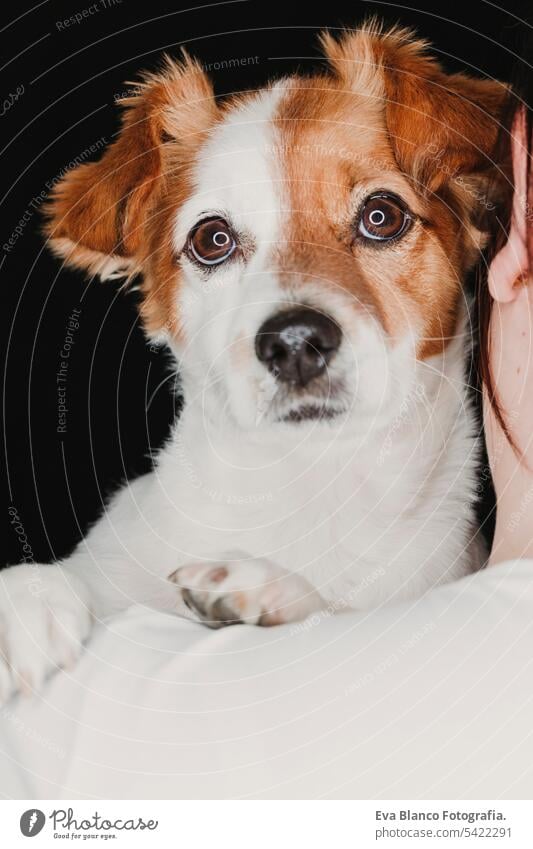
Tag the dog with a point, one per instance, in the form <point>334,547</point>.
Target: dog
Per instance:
<point>302,252</point>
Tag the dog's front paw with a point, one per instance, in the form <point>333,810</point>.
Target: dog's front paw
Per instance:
<point>44,620</point>
<point>247,591</point>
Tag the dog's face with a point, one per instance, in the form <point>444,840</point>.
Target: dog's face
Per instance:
<point>302,247</point>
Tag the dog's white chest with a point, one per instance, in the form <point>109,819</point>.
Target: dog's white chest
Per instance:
<point>357,527</point>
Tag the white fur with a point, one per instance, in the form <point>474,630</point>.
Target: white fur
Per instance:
<point>370,507</point>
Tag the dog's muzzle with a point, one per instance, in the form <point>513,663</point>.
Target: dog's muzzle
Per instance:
<point>296,345</point>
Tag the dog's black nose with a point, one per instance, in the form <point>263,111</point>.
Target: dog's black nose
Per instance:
<point>296,345</point>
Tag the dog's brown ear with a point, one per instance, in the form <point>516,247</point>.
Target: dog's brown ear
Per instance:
<point>97,212</point>
<point>444,125</point>
<point>440,125</point>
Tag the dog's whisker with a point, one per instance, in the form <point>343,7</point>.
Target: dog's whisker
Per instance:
<point>455,382</point>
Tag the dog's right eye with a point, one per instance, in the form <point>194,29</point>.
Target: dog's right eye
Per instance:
<point>383,218</point>
<point>211,242</point>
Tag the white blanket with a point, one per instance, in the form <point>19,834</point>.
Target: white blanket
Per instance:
<point>432,699</point>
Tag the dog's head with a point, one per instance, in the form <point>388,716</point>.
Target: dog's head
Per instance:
<point>302,247</point>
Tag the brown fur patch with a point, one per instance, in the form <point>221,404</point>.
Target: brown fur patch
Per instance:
<point>379,122</point>
<point>117,212</point>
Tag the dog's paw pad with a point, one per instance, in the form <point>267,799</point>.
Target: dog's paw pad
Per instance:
<point>246,592</point>
<point>205,591</point>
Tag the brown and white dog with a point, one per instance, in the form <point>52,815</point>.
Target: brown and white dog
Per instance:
<point>302,251</point>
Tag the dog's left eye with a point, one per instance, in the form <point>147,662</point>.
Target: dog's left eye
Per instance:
<point>383,217</point>
<point>211,241</point>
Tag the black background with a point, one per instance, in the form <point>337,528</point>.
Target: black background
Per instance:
<point>119,393</point>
